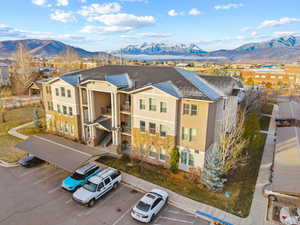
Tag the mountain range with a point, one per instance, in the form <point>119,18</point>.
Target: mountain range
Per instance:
<point>46,48</point>
<point>279,50</point>
<point>283,49</point>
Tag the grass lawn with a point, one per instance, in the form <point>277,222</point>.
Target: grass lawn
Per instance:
<point>14,117</point>
<point>31,130</point>
<point>241,185</point>
<point>264,122</point>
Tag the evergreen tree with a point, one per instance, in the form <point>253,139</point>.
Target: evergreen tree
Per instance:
<point>212,174</point>
<point>36,118</point>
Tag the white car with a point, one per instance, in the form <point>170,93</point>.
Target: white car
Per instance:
<point>149,205</point>
<point>97,186</point>
<point>272,195</point>
<point>290,216</point>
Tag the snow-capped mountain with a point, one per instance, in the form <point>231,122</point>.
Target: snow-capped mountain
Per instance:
<point>162,49</point>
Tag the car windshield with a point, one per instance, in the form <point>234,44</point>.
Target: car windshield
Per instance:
<point>78,176</point>
<point>143,206</point>
<point>90,186</point>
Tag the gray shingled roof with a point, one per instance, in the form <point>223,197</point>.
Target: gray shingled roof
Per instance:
<point>188,83</point>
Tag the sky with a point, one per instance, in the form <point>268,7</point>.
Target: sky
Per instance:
<point>107,25</point>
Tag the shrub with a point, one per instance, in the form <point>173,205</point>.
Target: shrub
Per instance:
<point>174,160</point>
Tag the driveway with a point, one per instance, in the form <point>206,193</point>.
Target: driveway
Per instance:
<point>34,197</point>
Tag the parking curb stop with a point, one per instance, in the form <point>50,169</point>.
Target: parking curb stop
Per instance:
<point>212,217</point>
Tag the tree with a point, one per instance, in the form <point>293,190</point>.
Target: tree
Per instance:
<point>212,174</point>
<point>24,73</point>
<point>4,93</point>
<point>174,160</point>
<point>70,60</point>
<point>36,118</point>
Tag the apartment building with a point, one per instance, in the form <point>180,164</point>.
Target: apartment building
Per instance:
<point>286,76</point>
<point>148,111</point>
<point>4,75</point>
<point>61,102</point>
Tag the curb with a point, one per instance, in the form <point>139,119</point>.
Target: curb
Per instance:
<point>7,165</point>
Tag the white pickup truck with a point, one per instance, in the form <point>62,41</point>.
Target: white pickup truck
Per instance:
<point>97,186</point>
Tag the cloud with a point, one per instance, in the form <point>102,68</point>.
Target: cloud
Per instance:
<point>95,9</point>
<point>194,12</point>
<point>123,20</point>
<point>117,23</point>
<point>10,32</point>
<point>145,1</point>
<point>147,35</point>
<point>39,2</point>
<point>104,29</point>
<point>62,16</point>
<point>172,12</point>
<point>244,29</point>
<point>229,6</point>
<point>281,21</point>
<point>285,33</point>
<point>62,2</point>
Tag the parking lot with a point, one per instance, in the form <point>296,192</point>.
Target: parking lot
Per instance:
<point>34,197</point>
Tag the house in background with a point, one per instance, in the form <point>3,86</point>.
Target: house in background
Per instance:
<point>4,75</point>
<point>144,111</point>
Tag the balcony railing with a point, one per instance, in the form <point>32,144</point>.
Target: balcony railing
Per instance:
<point>126,129</point>
<point>125,107</point>
<point>106,110</point>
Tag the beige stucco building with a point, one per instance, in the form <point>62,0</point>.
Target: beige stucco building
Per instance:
<point>146,111</point>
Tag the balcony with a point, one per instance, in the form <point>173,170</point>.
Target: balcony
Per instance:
<point>125,108</point>
<point>125,128</point>
<point>106,111</point>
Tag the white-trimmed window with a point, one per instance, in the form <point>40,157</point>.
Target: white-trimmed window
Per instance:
<point>58,108</point>
<point>186,109</point>
<point>142,104</point>
<point>194,110</point>
<point>162,154</point>
<point>193,134</point>
<point>187,158</point>
<point>64,109</point>
<point>56,91</point>
<point>142,126</point>
<point>69,93</point>
<point>152,152</point>
<point>185,133</point>
<point>70,111</point>
<point>152,104</point>
<point>163,130</point>
<point>63,92</point>
<point>163,107</point>
<point>152,128</point>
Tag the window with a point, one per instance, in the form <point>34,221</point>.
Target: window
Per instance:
<point>193,134</point>
<point>64,110</point>
<point>69,93</point>
<point>184,157</point>
<point>155,203</point>
<point>142,126</point>
<point>58,108</point>
<point>191,159</point>
<point>49,105</point>
<point>163,131</point>
<point>107,181</point>
<point>163,107</point>
<point>224,104</point>
<point>63,91</point>
<point>152,104</point>
<point>56,91</point>
<point>142,104</point>
<point>186,109</point>
<point>100,186</point>
<point>194,110</point>
<point>152,129</point>
<point>185,133</point>
<point>152,152</point>
<point>70,111</point>
<point>162,154</point>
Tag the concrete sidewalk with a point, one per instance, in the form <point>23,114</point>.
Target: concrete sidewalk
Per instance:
<point>13,131</point>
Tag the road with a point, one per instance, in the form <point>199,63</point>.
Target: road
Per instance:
<point>34,197</point>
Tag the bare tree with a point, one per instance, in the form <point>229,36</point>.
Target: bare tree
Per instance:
<point>23,73</point>
<point>4,93</point>
<point>71,60</point>
<point>231,142</point>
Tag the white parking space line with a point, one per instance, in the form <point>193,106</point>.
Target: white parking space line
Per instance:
<point>31,171</point>
<point>54,190</point>
<point>46,178</point>
<point>180,213</point>
<point>176,220</point>
<point>68,201</point>
<point>121,217</point>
